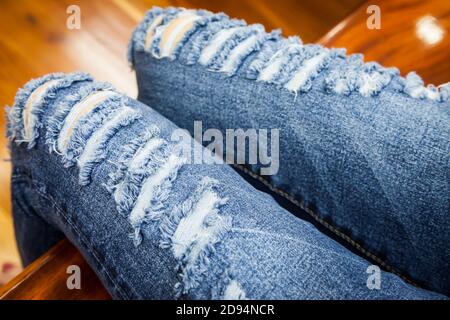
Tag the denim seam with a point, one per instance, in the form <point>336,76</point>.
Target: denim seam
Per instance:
<point>34,185</point>
<point>327,225</point>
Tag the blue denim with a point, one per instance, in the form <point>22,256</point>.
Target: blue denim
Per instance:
<point>106,172</point>
<point>364,151</point>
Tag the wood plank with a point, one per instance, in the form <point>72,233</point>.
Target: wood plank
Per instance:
<point>46,278</point>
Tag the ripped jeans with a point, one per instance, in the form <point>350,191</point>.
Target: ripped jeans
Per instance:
<point>104,171</point>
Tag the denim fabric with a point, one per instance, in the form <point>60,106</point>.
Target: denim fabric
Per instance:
<point>105,171</point>
<point>363,150</point>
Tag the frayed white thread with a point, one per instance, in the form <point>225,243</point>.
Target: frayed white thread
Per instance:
<point>141,157</point>
<point>183,24</point>
<point>127,191</point>
<point>276,62</point>
<point>29,118</point>
<point>151,31</point>
<point>193,230</point>
<point>167,172</point>
<point>273,67</point>
<point>370,83</point>
<point>128,153</point>
<point>95,142</point>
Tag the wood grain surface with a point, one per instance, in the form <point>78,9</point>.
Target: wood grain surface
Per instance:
<point>34,41</point>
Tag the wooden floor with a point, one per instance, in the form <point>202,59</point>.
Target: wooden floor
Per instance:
<point>34,41</point>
